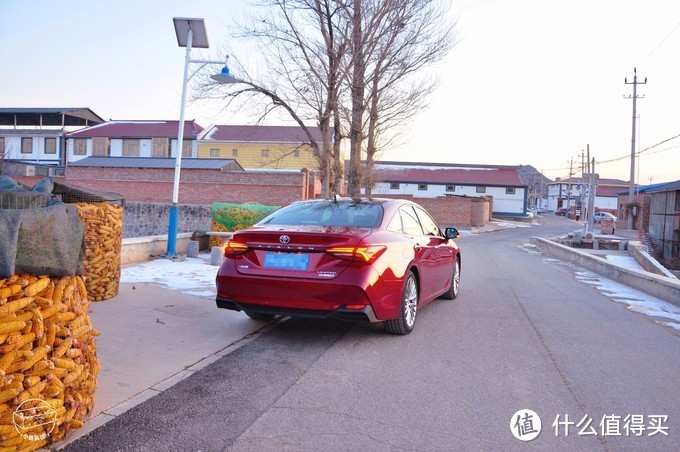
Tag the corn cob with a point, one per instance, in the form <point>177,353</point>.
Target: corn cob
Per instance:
<point>10,327</point>
<point>14,305</point>
<point>37,287</point>
<point>9,291</point>
<point>8,394</point>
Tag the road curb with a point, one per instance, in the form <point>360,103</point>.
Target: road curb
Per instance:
<point>661,287</point>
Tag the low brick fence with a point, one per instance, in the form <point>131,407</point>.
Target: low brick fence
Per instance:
<point>455,211</point>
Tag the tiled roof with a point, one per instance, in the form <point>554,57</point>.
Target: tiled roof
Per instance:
<point>463,175</point>
<point>139,129</point>
<point>260,134</point>
<point>155,162</point>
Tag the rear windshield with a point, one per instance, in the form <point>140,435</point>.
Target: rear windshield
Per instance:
<point>365,215</point>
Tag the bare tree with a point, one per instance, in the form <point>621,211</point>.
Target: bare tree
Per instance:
<point>355,64</point>
<point>402,38</point>
<point>303,42</point>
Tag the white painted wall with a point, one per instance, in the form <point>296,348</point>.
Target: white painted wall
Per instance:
<point>13,149</point>
<point>601,202</point>
<point>502,202</point>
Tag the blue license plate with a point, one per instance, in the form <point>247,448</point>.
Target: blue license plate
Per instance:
<point>286,261</point>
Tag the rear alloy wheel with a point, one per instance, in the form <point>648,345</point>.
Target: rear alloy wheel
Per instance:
<point>455,283</point>
<point>258,316</point>
<point>409,307</point>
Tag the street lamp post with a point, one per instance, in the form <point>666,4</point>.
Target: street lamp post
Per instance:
<point>190,33</point>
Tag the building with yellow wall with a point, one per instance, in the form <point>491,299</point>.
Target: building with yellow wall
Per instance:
<point>260,147</point>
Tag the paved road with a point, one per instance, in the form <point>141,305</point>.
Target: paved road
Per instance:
<point>523,334</point>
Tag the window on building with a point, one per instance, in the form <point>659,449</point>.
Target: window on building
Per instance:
<point>422,186</point>
<point>450,188</point>
<point>234,152</point>
<point>80,146</point>
<point>264,153</point>
<point>394,185</point>
<point>100,147</point>
<point>130,147</point>
<point>187,148</point>
<point>2,147</point>
<point>160,147</point>
<point>214,152</point>
<point>296,153</point>
<point>481,189</point>
<point>50,145</point>
<point>27,145</point>
<point>510,191</point>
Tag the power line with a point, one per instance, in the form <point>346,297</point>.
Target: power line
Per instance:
<point>661,43</point>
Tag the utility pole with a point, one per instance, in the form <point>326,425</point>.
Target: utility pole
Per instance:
<point>631,189</point>
<point>591,195</point>
<point>571,164</point>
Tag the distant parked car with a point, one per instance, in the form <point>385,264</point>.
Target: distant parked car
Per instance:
<point>598,216</point>
<point>561,212</point>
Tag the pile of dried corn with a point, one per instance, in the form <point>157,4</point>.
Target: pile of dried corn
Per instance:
<point>103,237</point>
<point>48,363</point>
<point>216,240</point>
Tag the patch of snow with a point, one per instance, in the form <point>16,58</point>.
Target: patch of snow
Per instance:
<point>637,301</point>
<point>507,224</point>
<point>626,261</point>
<point>193,276</point>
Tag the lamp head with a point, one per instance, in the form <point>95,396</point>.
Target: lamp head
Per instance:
<point>225,76</point>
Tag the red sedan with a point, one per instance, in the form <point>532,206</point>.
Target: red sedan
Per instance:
<point>374,260</point>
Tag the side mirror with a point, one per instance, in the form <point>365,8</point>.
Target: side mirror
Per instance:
<point>451,233</point>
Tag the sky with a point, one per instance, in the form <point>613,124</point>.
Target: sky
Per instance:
<point>531,82</point>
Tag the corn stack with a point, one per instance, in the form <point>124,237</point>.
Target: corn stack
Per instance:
<point>48,362</point>
<point>103,238</point>
<point>216,240</point>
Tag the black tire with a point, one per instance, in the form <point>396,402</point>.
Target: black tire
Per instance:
<point>406,321</point>
<point>452,293</point>
<point>258,316</point>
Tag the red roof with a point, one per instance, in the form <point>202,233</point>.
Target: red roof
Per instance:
<point>463,175</point>
<point>261,134</point>
<point>139,129</point>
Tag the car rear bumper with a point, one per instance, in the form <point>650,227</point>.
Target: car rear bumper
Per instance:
<point>358,288</point>
<point>351,315</point>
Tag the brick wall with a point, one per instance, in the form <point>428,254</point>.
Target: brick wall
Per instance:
<point>455,211</point>
<point>197,186</point>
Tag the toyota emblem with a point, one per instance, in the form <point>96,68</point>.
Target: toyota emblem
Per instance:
<point>284,239</point>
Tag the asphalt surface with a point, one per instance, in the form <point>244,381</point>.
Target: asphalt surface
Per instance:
<point>523,334</point>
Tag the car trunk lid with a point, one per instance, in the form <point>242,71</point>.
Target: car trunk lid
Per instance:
<point>296,251</point>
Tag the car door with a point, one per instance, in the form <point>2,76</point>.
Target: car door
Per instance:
<point>424,251</point>
<point>443,253</point>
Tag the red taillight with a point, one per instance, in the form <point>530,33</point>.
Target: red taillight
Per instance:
<point>366,254</point>
<point>232,249</point>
